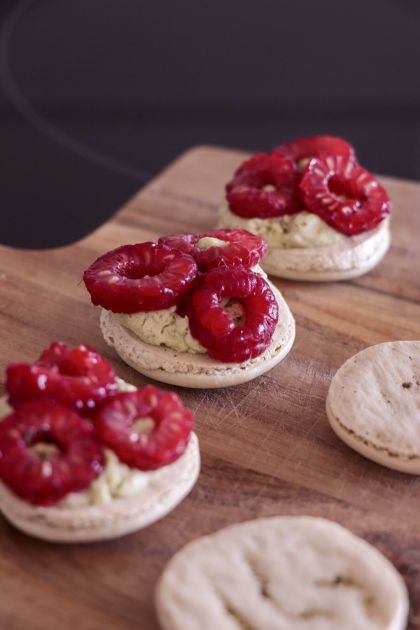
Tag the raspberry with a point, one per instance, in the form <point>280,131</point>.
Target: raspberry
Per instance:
<point>216,329</point>
<point>142,277</point>
<point>140,447</point>
<point>302,150</point>
<point>45,478</point>
<point>344,195</point>
<point>242,248</point>
<point>264,186</point>
<point>78,377</point>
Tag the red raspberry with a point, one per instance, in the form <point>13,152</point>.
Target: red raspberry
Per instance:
<point>344,195</point>
<point>142,277</point>
<point>216,329</point>
<point>246,192</point>
<point>313,147</point>
<point>137,447</point>
<point>45,479</point>
<point>77,377</point>
<point>243,248</point>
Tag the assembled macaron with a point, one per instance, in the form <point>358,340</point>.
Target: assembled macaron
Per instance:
<point>85,456</point>
<point>323,215</point>
<point>193,310</point>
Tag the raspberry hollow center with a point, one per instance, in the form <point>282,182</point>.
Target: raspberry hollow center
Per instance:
<point>235,309</point>
<point>141,427</point>
<point>135,271</point>
<point>44,450</point>
<point>345,189</point>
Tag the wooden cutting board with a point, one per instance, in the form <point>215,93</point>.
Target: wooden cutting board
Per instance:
<point>266,446</point>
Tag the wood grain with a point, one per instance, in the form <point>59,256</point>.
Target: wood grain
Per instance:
<point>267,447</point>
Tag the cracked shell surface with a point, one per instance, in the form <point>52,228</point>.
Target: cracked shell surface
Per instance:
<point>281,573</point>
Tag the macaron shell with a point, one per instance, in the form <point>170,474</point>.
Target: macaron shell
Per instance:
<point>349,258</point>
<point>122,516</point>
<point>373,404</point>
<point>329,263</point>
<point>281,573</point>
<point>198,370</point>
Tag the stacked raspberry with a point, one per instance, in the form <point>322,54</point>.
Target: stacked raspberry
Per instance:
<point>199,282</point>
<point>318,174</point>
<point>67,409</point>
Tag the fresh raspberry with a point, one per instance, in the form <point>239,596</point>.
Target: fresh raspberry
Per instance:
<point>264,186</point>
<point>145,448</point>
<point>77,377</point>
<point>242,248</point>
<point>45,478</point>
<point>302,150</point>
<point>344,195</point>
<point>224,339</point>
<point>142,277</point>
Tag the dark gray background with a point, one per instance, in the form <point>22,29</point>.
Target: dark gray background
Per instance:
<point>96,96</point>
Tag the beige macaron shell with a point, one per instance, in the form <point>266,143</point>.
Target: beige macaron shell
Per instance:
<point>373,404</point>
<point>341,261</point>
<point>281,573</point>
<point>198,370</point>
<point>123,515</point>
<point>349,258</point>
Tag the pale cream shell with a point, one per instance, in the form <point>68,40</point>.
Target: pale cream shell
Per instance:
<point>373,404</point>
<point>349,258</point>
<point>341,261</point>
<point>281,573</point>
<point>197,370</point>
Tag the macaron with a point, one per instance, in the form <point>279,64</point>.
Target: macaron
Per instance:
<point>193,310</point>
<point>373,404</point>
<point>281,573</point>
<point>198,370</point>
<point>324,216</point>
<point>121,516</point>
<point>85,456</point>
<point>347,258</point>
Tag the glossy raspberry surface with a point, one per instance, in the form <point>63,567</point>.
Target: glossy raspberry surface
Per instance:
<point>224,339</point>
<point>78,377</point>
<point>242,248</point>
<point>141,277</point>
<point>310,147</point>
<point>145,449</point>
<point>264,186</point>
<point>344,195</point>
<point>44,480</point>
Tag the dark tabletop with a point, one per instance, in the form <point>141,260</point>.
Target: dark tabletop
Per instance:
<point>96,97</point>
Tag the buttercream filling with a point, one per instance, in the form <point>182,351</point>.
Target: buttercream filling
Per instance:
<point>299,230</point>
<point>162,328</point>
